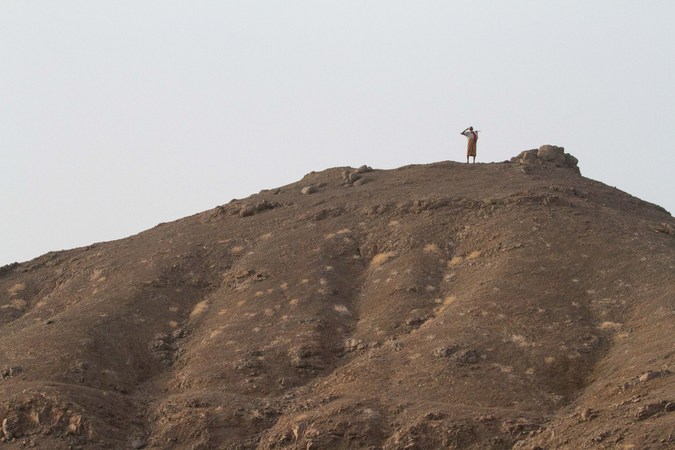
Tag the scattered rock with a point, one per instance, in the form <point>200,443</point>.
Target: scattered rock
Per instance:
<point>486,418</point>
<point>466,356</point>
<point>590,343</point>
<point>247,210</point>
<point>602,436</point>
<point>445,351</point>
<point>416,322</point>
<point>645,377</point>
<point>8,429</point>
<point>9,372</point>
<point>354,177</point>
<point>310,189</point>
<point>138,444</point>
<point>243,273</point>
<point>588,414</point>
<point>165,347</point>
<point>434,416</point>
<point>395,344</point>
<point>264,205</point>
<point>352,345</point>
<point>664,406</point>
<point>248,364</point>
<point>306,357</point>
<point>651,374</point>
<point>74,425</point>
<point>322,214</point>
<point>665,228</point>
<point>179,333</point>
<point>520,426</point>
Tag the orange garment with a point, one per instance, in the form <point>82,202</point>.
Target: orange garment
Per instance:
<point>471,146</point>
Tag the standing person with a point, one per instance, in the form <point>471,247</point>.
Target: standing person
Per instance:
<point>472,136</point>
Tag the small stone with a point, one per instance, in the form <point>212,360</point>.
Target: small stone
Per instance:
<point>647,411</point>
<point>354,177</point>
<point>138,444</point>
<point>416,322</point>
<point>602,436</point>
<point>352,344</point>
<point>179,333</point>
<point>588,414</point>
<point>7,431</point>
<point>263,205</point>
<point>487,418</point>
<point>571,160</point>
<point>247,210</point>
<point>649,375</point>
<point>445,351</point>
<point>529,156</point>
<point>551,153</point>
<point>243,273</point>
<point>311,189</point>
<point>466,356</point>
<point>8,372</point>
<point>396,345</point>
<point>74,424</point>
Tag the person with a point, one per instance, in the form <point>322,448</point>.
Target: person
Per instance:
<point>472,136</point>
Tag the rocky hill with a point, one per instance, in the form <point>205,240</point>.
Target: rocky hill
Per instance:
<point>445,305</point>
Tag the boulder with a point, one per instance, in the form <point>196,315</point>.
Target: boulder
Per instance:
<point>529,156</point>
<point>571,160</point>
<point>247,210</point>
<point>551,153</point>
<point>311,189</point>
<point>354,176</point>
<point>547,154</point>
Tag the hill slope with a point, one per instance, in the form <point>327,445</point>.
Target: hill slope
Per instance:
<point>440,305</point>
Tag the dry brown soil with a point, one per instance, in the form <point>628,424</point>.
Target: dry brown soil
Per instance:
<point>443,305</point>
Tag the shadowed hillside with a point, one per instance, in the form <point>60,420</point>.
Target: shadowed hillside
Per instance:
<point>445,305</point>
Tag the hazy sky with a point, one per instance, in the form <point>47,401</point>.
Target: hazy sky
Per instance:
<point>118,115</point>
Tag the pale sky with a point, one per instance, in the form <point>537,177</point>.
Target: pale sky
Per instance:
<point>118,115</point>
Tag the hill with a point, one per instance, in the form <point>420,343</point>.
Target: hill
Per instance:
<point>445,305</point>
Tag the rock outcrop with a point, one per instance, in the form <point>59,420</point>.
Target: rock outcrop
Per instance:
<point>547,154</point>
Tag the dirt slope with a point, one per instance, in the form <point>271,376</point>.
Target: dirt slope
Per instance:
<point>433,306</point>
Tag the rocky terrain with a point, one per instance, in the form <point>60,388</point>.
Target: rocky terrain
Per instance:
<point>446,305</point>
